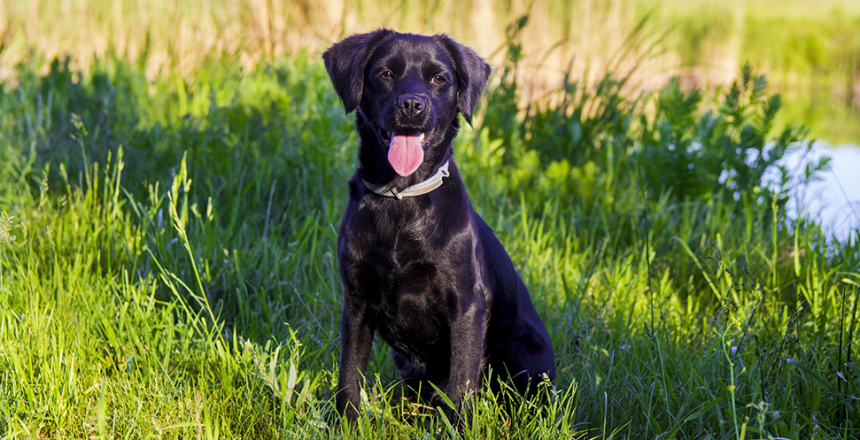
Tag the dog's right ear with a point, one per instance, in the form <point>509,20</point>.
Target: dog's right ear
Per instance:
<point>345,62</point>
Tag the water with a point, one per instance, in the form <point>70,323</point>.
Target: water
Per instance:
<point>834,199</point>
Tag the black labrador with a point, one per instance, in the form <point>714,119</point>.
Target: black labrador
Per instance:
<point>418,265</point>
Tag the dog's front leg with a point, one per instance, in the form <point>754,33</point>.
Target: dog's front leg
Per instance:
<point>356,340</point>
<point>467,347</point>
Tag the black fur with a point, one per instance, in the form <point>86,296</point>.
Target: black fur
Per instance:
<point>424,272</point>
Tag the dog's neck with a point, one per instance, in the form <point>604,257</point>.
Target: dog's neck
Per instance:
<point>373,160</point>
<point>422,188</point>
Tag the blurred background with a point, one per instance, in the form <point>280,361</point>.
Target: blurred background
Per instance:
<point>809,49</point>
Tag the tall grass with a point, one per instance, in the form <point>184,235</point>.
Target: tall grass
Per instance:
<point>167,258</point>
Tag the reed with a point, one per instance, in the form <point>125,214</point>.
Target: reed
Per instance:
<point>703,39</point>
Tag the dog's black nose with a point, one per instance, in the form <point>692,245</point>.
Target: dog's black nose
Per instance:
<point>411,105</point>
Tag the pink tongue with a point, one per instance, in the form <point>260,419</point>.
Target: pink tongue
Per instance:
<point>405,153</point>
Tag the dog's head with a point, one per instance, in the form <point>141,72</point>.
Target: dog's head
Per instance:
<point>408,89</point>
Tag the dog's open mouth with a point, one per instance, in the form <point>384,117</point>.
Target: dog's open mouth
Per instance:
<point>405,150</point>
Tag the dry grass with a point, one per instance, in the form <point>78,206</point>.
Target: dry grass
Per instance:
<point>647,41</point>
<point>585,37</point>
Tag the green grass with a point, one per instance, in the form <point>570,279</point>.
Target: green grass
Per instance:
<point>167,261</point>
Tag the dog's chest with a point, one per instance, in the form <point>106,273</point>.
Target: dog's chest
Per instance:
<point>406,293</point>
<point>406,283</point>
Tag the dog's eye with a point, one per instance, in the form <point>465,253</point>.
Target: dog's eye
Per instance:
<point>385,75</point>
<point>438,79</point>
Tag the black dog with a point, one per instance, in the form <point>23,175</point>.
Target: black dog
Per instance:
<point>418,265</point>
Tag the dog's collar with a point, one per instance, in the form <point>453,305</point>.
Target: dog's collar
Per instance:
<point>415,190</point>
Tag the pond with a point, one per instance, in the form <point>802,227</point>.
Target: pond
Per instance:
<point>834,198</point>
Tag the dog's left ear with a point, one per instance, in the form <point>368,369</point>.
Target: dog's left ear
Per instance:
<point>345,62</point>
<point>472,74</point>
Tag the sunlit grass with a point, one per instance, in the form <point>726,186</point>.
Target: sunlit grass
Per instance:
<point>167,261</point>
